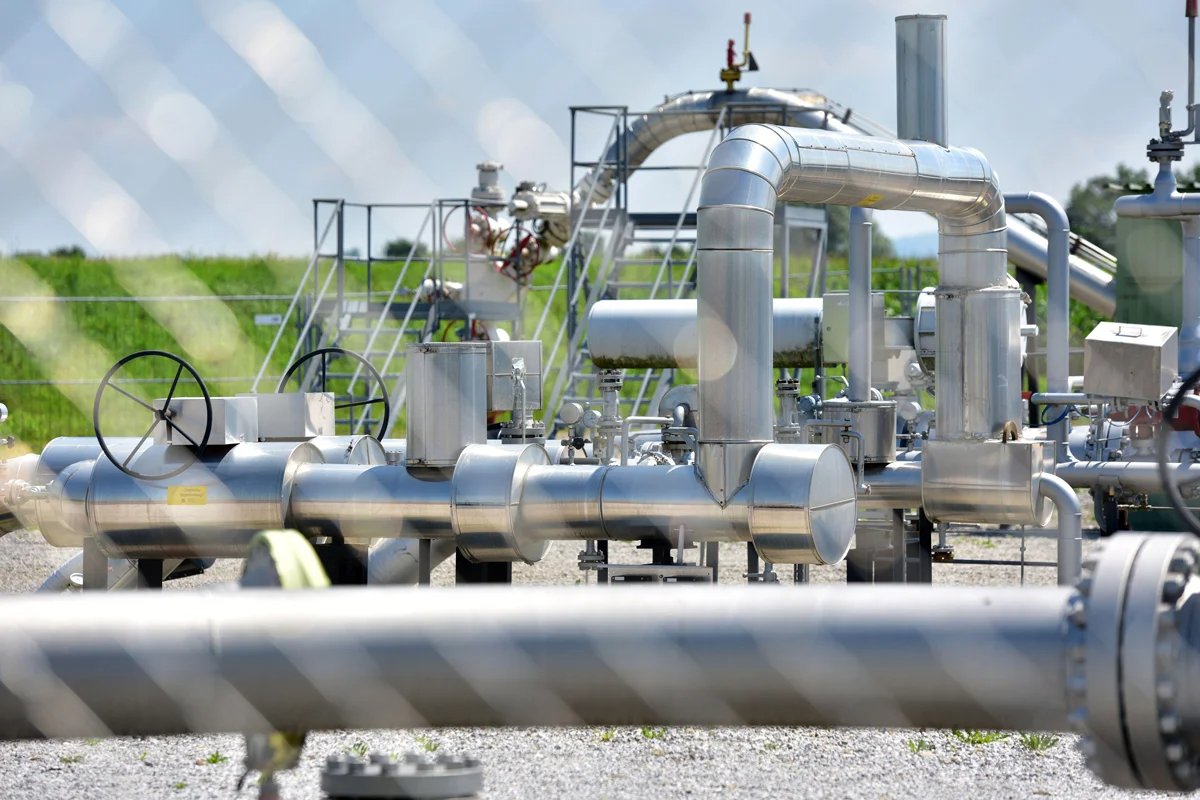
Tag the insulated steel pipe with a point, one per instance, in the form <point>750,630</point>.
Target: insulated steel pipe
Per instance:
<point>1133,476</point>
<point>1118,659</point>
<point>259,660</point>
<point>1058,296</point>
<point>757,166</point>
<point>1070,526</point>
<point>859,256</point>
<point>921,78</point>
<point>661,334</point>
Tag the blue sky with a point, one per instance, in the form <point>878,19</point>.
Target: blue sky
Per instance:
<point>139,126</point>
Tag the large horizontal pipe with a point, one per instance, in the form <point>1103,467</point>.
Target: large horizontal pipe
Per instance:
<point>1133,476</point>
<point>259,660</point>
<point>634,334</point>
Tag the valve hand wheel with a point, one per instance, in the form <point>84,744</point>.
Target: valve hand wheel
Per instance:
<point>161,414</point>
<point>376,393</point>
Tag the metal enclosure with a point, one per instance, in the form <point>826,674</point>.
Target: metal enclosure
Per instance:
<point>835,330</point>
<point>234,421</point>
<point>921,78</point>
<point>1135,362</point>
<point>875,422</point>
<point>447,400</point>
<point>500,388</point>
<point>993,481</point>
<point>294,416</point>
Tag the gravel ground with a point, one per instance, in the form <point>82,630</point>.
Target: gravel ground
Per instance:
<point>589,762</point>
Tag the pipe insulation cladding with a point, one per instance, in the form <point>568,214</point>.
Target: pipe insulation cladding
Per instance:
<point>757,166</point>
<point>1117,659</point>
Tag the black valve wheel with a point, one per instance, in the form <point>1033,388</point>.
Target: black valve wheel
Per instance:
<point>376,393</point>
<point>160,414</point>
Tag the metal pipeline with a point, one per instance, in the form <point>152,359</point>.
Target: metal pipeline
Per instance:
<point>700,111</point>
<point>1132,476</point>
<point>800,508</point>
<point>859,255</point>
<point>397,561</point>
<point>257,660</point>
<point>661,334</point>
<point>1070,526</point>
<point>757,166</point>
<point>1058,299</point>
<point>371,502</point>
<point>1118,659</point>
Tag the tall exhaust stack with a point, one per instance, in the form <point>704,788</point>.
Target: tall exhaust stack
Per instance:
<point>921,78</point>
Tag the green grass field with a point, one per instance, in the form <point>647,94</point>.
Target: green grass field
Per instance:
<point>72,344</point>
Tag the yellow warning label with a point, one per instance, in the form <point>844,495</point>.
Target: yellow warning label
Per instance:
<point>187,495</point>
<point>870,200</point>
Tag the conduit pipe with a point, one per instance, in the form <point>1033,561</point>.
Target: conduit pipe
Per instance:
<point>1058,297</point>
<point>1132,476</point>
<point>757,166</point>
<point>661,334</point>
<point>1166,203</point>
<point>1070,526</point>
<point>859,368</point>
<point>256,660</point>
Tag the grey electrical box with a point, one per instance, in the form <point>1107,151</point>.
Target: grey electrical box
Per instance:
<point>499,374</point>
<point>1134,362</point>
<point>294,416</point>
<point>447,401</point>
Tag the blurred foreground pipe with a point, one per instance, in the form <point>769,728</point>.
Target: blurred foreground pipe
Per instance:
<point>260,660</point>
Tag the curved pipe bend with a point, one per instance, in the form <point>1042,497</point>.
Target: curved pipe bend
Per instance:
<point>1070,526</point>
<point>749,172</point>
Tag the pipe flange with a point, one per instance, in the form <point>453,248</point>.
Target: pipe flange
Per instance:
<point>1150,647</point>
<point>488,481</point>
<point>1122,661</point>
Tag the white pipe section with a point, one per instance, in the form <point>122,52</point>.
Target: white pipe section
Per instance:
<point>860,304</point>
<point>921,78</point>
<point>1058,297</point>
<point>1166,203</point>
<point>757,166</point>
<point>1133,476</point>
<point>262,660</point>
<point>397,561</point>
<point>637,334</point>
<point>1070,526</point>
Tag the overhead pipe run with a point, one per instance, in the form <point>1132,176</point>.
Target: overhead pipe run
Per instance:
<point>757,166</point>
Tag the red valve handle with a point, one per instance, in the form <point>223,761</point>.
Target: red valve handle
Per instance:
<point>730,55</point>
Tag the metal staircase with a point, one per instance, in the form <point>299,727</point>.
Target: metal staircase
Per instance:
<point>338,304</point>
<point>647,256</point>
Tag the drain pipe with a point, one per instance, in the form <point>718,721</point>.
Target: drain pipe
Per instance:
<point>860,304</point>
<point>1058,298</point>
<point>1070,526</point>
<point>757,166</point>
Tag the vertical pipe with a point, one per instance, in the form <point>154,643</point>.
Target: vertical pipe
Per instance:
<point>1058,297</point>
<point>921,78</point>
<point>860,303</point>
<point>341,255</point>
<point>1189,328</point>
<point>1070,526</point>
